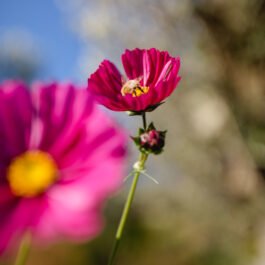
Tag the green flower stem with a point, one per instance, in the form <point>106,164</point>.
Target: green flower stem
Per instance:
<point>126,209</point>
<point>144,120</point>
<point>23,250</point>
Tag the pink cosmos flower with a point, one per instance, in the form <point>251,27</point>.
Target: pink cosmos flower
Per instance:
<point>60,158</point>
<point>152,76</point>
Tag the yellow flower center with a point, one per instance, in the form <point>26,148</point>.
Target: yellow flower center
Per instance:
<point>140,91</point>
<point>31,173</point>
<point>134,88</point>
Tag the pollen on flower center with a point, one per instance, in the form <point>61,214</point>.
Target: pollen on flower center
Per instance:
<point>140,91</point>
<point>134,88</point>
<point>31,173</point>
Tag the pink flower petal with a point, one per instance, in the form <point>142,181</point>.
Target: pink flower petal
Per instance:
<point>87,147</point>
<point>15,116</point>
<point>153,66</point>
<point>133,63</point>
<point>16,219</point>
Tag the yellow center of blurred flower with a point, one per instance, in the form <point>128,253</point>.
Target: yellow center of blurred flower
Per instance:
<point>31,173</point>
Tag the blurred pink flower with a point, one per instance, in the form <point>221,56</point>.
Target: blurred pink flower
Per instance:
<point>152,75</point>
<point>60,158</point>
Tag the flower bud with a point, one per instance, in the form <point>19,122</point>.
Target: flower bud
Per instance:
<point>150,140</point>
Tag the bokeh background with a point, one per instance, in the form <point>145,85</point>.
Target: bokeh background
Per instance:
<point>209,208</point>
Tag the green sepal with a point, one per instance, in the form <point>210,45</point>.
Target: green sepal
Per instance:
<point>136,140</point>
<point>140,131</point>
<point>158,152</point>
<point>151,126</point>
<point>163,133</point>
<point>148,109</point>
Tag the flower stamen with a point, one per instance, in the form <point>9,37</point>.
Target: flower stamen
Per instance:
<point>134,88</point>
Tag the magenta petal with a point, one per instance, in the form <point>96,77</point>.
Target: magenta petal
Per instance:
<point>90,172</point>
<point>160,61</point>
<point>98,138</point>
<point>106,85</point>
<point>163,85</point>
<point>66,214</point>
<point>165,88</point>
<point>154,62</point>
<point>133,63</point>
<point>88,150</point>
<point>15,116</point>
<point>153,66</point>
<point>107,78</point>
<point>164,73</point>
<point>16,219</point>
<point>6,197</point>
<point>62,110</point>
<point>72,208</point>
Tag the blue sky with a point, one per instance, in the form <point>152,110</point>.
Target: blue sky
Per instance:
<point>49,28</point>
